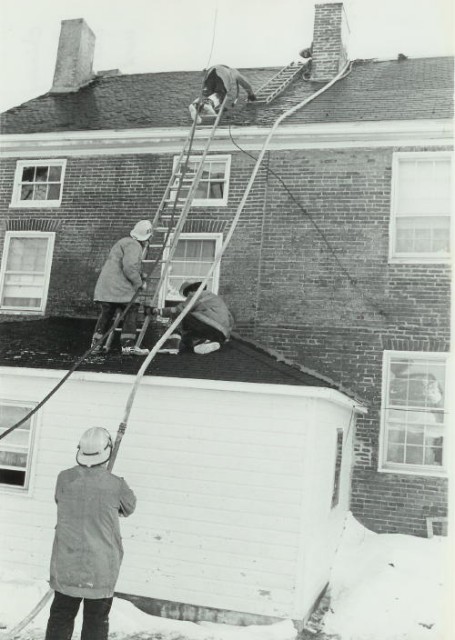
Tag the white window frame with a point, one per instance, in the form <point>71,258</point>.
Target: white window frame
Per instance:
<point>403,468</point>
<point>50,235</point>
<point>412,258</point>
<point>211,202</point>
<point>218,237</point>
<point>25,489</point>
<point>16,202</point>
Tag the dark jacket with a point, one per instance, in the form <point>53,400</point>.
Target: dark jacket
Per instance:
<point>120,276</point>
<point>210,309</point>
<point>232,80</point>
<point>88,550</point>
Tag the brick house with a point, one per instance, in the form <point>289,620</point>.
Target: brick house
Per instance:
<point>349,277</point>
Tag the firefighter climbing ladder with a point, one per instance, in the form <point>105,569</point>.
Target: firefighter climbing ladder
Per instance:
<point>11,634</point>
<point>172,213</point>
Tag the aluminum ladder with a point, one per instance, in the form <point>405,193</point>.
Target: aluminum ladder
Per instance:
<point>278,83</point>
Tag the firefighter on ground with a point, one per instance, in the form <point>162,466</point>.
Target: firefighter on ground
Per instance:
<point>120,278</point>
<point>204,329</point>
<point>87,551</point>
<point>220,81</point>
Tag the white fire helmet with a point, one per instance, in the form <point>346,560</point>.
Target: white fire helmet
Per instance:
<point>94,448</point>
<point>142,230</point>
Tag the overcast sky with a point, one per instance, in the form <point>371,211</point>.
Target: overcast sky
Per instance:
<point>139,36</point>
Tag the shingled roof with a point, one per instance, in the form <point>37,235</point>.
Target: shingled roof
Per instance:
<point>56,343</point>
<point>374,90</point>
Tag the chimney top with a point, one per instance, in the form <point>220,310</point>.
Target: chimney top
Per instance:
<point>330,36</point>
<point>74,65</point>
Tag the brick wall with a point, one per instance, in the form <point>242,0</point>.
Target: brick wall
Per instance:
<point>288,291</point>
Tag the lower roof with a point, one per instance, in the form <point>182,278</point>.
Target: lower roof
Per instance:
<point>57,343</point>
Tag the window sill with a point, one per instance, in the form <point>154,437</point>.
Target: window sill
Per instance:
<point>36,204</point>
<point>423,260</point>
<point>21,312</point>
<point>433,473</point>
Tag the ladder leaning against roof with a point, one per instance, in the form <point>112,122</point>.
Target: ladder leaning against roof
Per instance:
<point>172,212</point>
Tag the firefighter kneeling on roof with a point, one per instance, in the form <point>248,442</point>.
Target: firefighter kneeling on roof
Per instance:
<point>204,329</point>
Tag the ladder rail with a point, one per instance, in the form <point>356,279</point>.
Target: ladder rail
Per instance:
<point>172,236</point>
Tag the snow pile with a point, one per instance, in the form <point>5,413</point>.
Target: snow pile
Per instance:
<point>19,595</point>
<point>387,587</point>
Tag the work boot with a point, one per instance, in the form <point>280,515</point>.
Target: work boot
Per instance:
<point>134,351</point>
<point>206,347</point>
<point>172,345</point>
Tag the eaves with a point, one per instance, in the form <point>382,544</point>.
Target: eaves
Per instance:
<point>386,133</point>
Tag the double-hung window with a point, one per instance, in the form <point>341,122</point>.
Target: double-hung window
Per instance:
<point>421,207</point>
<point>213,186</point>
<point>193,257</point>
<point>16,447</point>
<point>413,412</point>
<point>38,183</point>
<point>25,271</point>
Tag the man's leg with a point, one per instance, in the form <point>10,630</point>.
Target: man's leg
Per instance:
<point>104,320</point>
<point>128,335</point>
<point>96,619</point>
<point>195,331</point>
<point>61,618</point>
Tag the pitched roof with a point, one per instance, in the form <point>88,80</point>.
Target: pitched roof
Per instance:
<point>56,343</point>
<point>374,90</point>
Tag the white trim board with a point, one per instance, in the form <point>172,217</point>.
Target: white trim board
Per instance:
<point>320,393</point>
<point>390,133</point>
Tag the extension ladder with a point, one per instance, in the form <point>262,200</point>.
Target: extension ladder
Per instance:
<point>173,210</point>
<point>278,83</point>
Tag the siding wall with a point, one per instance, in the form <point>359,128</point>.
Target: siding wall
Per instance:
<point>284,285</point>
<point>219,478</point>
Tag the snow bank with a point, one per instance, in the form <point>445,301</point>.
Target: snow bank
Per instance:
<point>387,586</point>
<point>18,596</point>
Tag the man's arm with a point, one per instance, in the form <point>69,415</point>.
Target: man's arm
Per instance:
<point>243,82</point>
<point>127,500</point>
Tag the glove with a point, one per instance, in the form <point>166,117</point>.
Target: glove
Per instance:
<point>251,97</point>
<point>151,311</point>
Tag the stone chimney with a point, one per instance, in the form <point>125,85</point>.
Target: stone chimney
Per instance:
<point>330,37</point>
<point>74,66</point>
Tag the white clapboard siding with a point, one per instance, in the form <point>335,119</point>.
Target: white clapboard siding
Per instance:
<point>220,471</point>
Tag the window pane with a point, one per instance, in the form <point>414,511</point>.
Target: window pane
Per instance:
<point>27,254</point>
<point>395,453</point>
<point>217,170</point>
<point>13,459</point>
<point>201,190</point>
<point>40,192</point>
<point>414,455</point>
<point>55,174</point>
<point>9,415</point>
<point>28,174</point>
<point>27,192</point>
<point>41,174</point>
<point>14,478</point>
<point>216,190</point>
<point>423,235</point>
<point>53,192</point>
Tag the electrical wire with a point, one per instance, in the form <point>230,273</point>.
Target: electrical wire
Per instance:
<point>350,278</point>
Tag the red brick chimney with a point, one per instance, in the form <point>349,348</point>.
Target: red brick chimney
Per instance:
<point>330,37</point>
<point>74,66</point>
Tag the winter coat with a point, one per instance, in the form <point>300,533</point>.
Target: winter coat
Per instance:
<point>87,550</point>
<point>210,309</point>
<point>232,79</point>
<point>120,276</point>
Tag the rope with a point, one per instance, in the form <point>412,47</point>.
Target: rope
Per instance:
<point>124,423</point>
